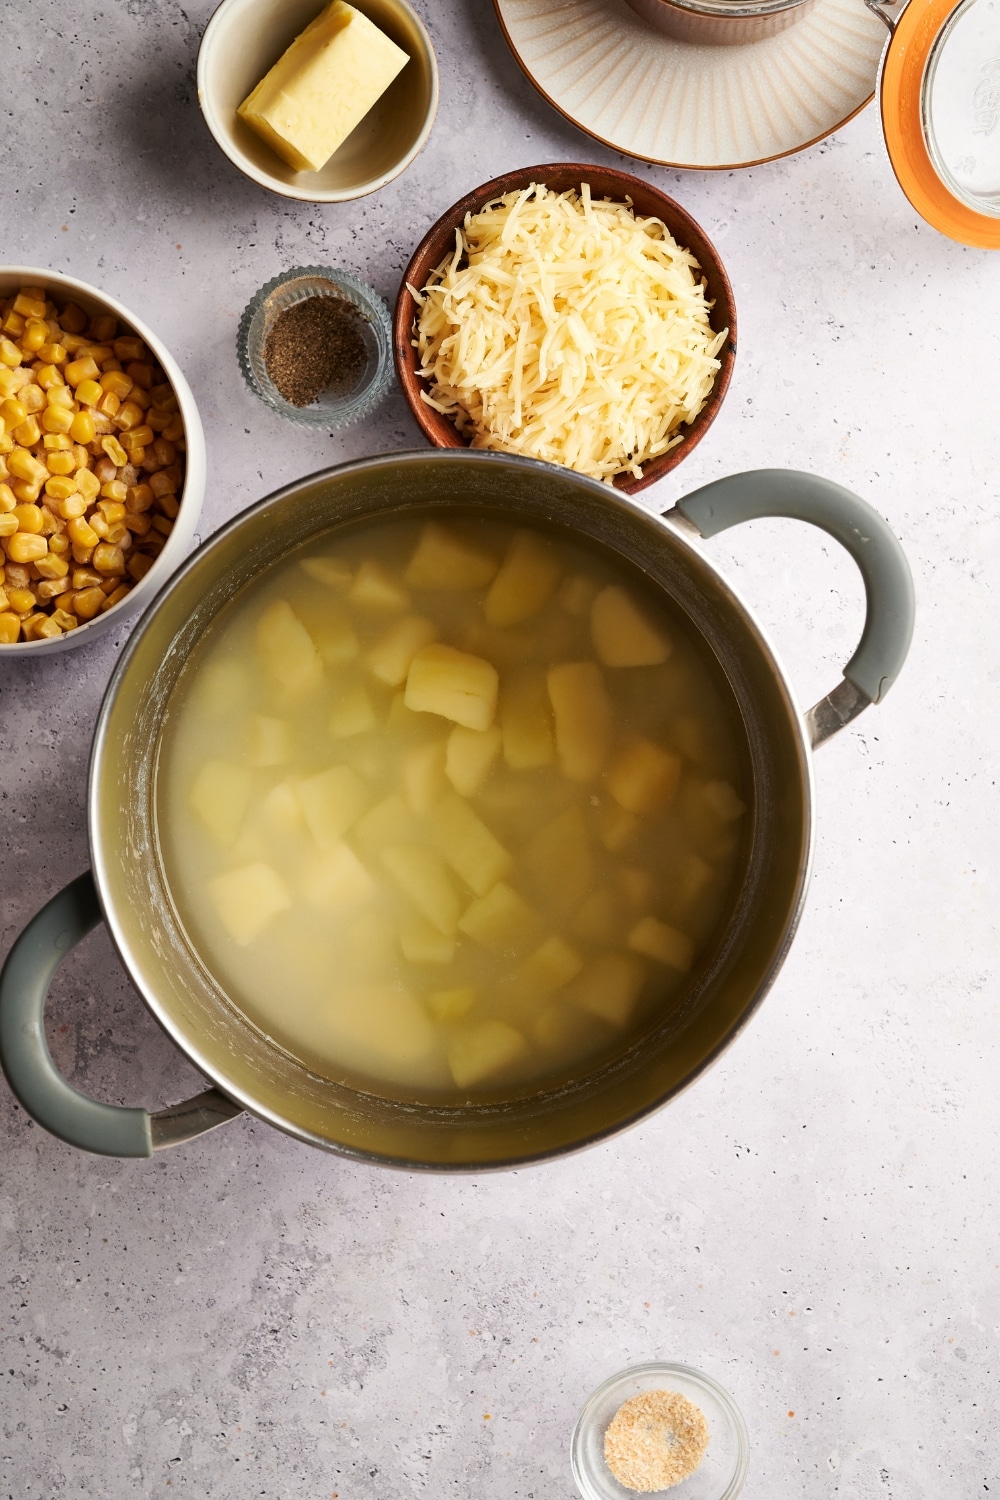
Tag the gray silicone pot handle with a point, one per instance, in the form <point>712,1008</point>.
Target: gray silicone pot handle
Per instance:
<point>106,1129</point>
<point>852,522</point>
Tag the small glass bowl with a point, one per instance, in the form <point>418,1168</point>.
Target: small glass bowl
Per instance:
<point>721,1473</point>
<point>331,408</point>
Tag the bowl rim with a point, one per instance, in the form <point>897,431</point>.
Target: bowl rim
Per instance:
<point>206,103</point>
<point>192,493</point>
<point>673,214</point>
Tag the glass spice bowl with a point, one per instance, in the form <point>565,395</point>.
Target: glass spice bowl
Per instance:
<point>332,408</point>
<point>721,1473</point>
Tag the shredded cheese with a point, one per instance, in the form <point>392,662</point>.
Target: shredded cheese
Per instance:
<point>567,329</point>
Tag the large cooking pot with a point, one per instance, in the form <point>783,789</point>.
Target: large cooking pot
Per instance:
<point>129,888</point>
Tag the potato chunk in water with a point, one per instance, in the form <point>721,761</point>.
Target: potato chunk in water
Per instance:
<point>452,806</point>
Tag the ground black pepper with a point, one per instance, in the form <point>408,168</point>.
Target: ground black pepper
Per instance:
<point>317,345</point>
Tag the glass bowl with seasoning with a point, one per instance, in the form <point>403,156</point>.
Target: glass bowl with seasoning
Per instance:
<point>315,346</point>
<point>660,1429</point>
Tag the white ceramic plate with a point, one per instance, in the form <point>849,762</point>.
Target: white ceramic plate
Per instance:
<point>705,108</point>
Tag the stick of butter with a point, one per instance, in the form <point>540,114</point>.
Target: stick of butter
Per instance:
<point>325,83</point>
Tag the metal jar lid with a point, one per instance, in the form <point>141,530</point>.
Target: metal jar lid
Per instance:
<point>940,97</point>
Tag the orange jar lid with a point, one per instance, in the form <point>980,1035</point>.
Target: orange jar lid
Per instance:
<point>941,115</point>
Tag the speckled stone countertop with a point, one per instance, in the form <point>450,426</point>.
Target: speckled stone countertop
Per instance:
<point>815,1223</point>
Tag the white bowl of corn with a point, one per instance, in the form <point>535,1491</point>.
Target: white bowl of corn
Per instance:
<point>102,462</point>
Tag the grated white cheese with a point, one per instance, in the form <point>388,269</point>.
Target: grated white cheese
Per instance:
<point>567,329</point>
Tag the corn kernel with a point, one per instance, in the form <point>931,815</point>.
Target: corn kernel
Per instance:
<point>163,524</point>
<point>4,601</point>
<point>60,395</point>
<point>10,382</point>
<point>13,412</point>
<point>59,544</point>
<point>129,347</point>
<point>10,628</point>
<point>117,382</point>
<point>56,442</point>
<point>109,404</point>
<point>129,415</point>
<point>7,498</point>
<point>87,602</point>
<point>16,575</point>
<point>28,517</point>
<point>73,319</point>
<point>62,464</point>
<point>52,354</point>
<point>139,565</point>
<point>13,324</point>
<point>52,525</point>
<point>88,484</point>
<point>139,522</point>
<point>64,619</point>
<point>56,419</point>
<point>98,526</point>
<point>85,578</point>
<point>51,588</point>
<point>141,372</point>
<point>165,452</point>
<point>44,630</point>
<point>28,432</point>
<point>48,376</point>
<point>162,484</point>
<point>88,392</point>
<point>82,428</point>
<point>51,565</point>
<point>116,596</point>
<point>26,466</point>
<point>27,491</point>
<point>104,327</point>
<point>25,547</point>
<point>8,524</point>
<point>79,370</point>
<point>98,352</point>
<point>10,354</point>
<point>29,304</point>
<point>81,555</point>
<point>22,601</point>
<point>111,505</point>
<point>72,507</point>
<point>61,487</point>
<point>108,558</point>
<point>119,535</point>
<point>82,535</point>
<point>115,451</point>
<point>139,497</point>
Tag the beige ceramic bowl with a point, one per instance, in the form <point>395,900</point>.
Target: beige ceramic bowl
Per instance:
<point>243,41</point>
<point>67,289</point>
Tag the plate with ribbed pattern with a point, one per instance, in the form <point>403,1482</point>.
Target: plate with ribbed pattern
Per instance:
<point>699,107</point>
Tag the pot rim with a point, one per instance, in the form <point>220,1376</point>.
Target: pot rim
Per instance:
<point>682,534</point>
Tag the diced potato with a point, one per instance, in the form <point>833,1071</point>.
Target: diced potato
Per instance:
<point>375,589</point>
<point>281,811</point>
<point>390,658</point>
<point>635,885</point>
<point>467,844</point>
<point>352,713</point>
<point>577,594</point>
<point>527,576</point>
<point>220,687</point>
<point>501,921</point>
<point>599,919</point>
<point>219,797</point>
<point>583,718</point>
<point>526,721</point>
<point>270,741</point>
<point>422,770</point>
<point>287,652</point>
<point>655,939</point>
<point>453,684</point>
<point>723,800</point>
<point>643,777</point>
<point>334,636</point>
<point>548,969</point>
<point>444,560</point>
<point>422,943</point>
<point>558,864</point>
<point>470,756</point>
<point>506,649</point>
<point>331,802</point>
<point>618,827</point>
<point>608,986</point>
<point>334,571</point>
<point>621,635</point>
<point>384,1031</point>
<point>451,1005</point>
<point>335,880</point>
<point>421,876</point>
<point>247,899</point>
<point>482,1050</point>
<point>389,822</point>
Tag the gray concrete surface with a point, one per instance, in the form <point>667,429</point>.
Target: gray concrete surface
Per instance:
<point>814,1223</point>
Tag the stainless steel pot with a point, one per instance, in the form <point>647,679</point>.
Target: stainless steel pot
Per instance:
<point>129,888</point>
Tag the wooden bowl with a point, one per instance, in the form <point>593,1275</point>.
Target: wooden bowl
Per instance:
<point>605,182</point>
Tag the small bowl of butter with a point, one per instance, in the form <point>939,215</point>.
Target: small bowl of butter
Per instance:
<point>320,102</point>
